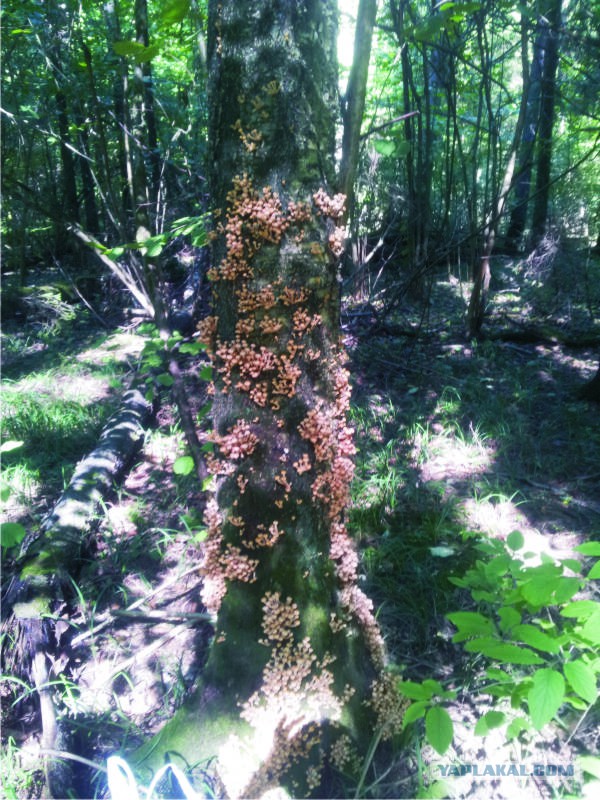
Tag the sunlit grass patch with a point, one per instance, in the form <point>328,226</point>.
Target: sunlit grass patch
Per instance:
<point>55,433</point>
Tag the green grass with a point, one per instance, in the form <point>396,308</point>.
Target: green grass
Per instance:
<point>55,433</point>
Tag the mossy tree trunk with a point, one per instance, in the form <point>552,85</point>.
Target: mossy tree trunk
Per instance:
<point>295,683</point>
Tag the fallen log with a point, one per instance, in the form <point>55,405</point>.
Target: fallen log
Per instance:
<point>50,557</point>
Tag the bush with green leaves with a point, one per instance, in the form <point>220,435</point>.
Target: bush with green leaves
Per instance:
<point>537,628</point>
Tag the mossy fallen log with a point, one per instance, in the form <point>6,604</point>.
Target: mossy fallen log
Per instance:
<point>52,556</point>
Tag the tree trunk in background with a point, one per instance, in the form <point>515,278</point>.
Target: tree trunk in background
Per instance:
<point>547,105</point>
<point>353,105</point>
<point>143,78</point>
<point>294,686</point>
<point>67,159</point>
<point>531,99</point>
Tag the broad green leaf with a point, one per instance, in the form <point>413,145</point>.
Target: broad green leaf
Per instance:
<point>546,696</point>
<point>192,348</point>
<point>9,445</point>
<point>414,691</point>
<point>11,534</point>
<point>581,679</point>
<point>509,617</point>
<point>183,465</point>
<point>496,674</point>
<point>534,637</point>
<point>565,589</point>
<point>516,727</point>
<point>571,563</point>
<point>206,373</point>
<point>165,379</point>
<point>580,609</point>
<point>588,548</point>
<point>470,623</point>
<point>591,629</point>
<point>136,50</point>
<point>504,652</point>
<point>489,721</point>
<point>206,409</point>
<point>515,540</point>
<point>594,573</point>
<point>173,12</point>
<point>439,729</point>
<point>539,591</point>
<point>434,687</point>
<point>414,711</point>
<point>153,245</point>
<point>385,147</point>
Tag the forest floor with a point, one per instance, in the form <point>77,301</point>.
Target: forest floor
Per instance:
<point>459,442</point>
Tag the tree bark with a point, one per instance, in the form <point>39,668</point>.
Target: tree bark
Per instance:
<point>547,106</point>
<point>294,685</point>
<point>531,101</point>
<point>353,104</point>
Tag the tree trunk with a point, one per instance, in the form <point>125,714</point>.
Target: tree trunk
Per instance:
<point>547,104</point>
<point>294,686</point>
<point>353,105</point>
<point>531,100</point>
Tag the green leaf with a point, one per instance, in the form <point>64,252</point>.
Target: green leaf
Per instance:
<point>414,712</point>
<point>173,12</point>
<point>515,540</point>
<point>539,591</point>
<point>11,534</point>
<point>414,691</point>
<point>165,379</point>
<point>565,589</point>
<point>591,629</point>
<point>489,721</point>
<point>502,651</point>
<point>546,696</point>
<point>439,729</point>
<point>516,727</point>
<point>206,409</point>
<point>206,373</point>
<point>192,348</point>
<point>9,445</point>
<point>154,245</point>
<point>469,623</point>
<point>594,573</point>
<point>588,548</point>
<point>580,609</point>
<point>534,637</point>
<point>136,50</point>
<point>581,679</point>
<point>589,764</point>
<point>385,147</point>
<point>509,617</point>
<point>183,465</point>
